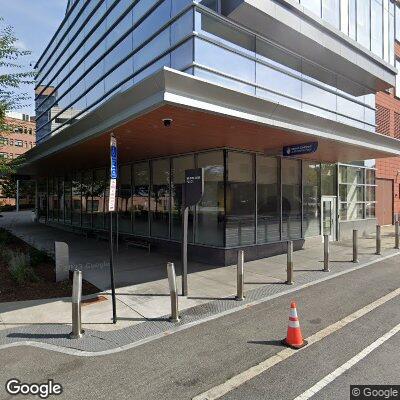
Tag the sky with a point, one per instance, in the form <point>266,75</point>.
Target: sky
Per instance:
<point>34,22</point>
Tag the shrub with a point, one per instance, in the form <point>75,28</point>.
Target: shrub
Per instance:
<point>20,268</point>
<point>4,236</point>
<point>38,257</point>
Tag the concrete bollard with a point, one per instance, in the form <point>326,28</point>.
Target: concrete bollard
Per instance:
<point>396,235</point>
<point>355,246</point>
<point>378,240</point>
<point>173,292</point>
<point>326,253</point>
<point>289,267</point>
<point>61,252</point>
<point>240,276</point>
<point>77,330</point>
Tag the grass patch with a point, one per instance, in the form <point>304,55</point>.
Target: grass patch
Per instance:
<point>19,265</point>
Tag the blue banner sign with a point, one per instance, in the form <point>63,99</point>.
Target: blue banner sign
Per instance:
<point>298,149</point>
<point>114,158</point>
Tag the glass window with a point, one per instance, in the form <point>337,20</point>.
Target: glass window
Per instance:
<point>224,61</point>
<point>351,211</point>
<point>179,166</point>
<point>125,199</point>
<point>386,30</point>
<point>328,180</point>
<point>140,199</point>
<point>160,198</point>
<point>42,199</point>
<point>268,200</point>
<point>331,12</point>
<point>312,5</point>
<point>352,19</point>
<point>227,34</point>
<point>60,199</point>
<point>344,16</point>
<point>76,199</point>
<point>87,183</point>
<point>67,199</point>
<point>376,27</point>
<point>291,199</point>
<point>363,23</point>
<point>397,88</point>
<point>210,211</point>
<point>370,177</point>
<point>397,16</point>
<point>213,4</point>
<point>370,210</point>
<point>311,198</point>
<point>391,33</point>
<point>240,200</point>
<point>98,198</point>
<point>353,175</point>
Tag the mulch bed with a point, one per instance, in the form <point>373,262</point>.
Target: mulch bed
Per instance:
<point>46,286</point>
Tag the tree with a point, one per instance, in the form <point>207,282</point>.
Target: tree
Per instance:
<point>13,75</point>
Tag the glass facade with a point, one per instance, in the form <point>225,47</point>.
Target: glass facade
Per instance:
<point>370,22</point>
<point>249,198</point>
<point>231,57</point>
<point>105,47</point>
<point>357,192</point>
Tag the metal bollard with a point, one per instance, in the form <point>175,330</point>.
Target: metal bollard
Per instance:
<point>378,240</point>
<point>77,330</point>
<point>289,268</point>
<point>240,272</point>
<point>355,246</point>
<point>173,292</point>
<point>396,235</point>
<point>326,253</point>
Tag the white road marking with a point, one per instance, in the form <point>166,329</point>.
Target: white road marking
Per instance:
<point>238,380</point>
<point>346,366</point>
<point>82,353</point>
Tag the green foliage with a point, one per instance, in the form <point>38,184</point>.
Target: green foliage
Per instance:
<point>8,184</point>
<point>38,257</point>
<point>4,237</point>
<point>20,267</point>
<point>15,73</point>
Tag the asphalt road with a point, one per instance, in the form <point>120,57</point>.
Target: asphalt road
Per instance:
<point>190,362</point>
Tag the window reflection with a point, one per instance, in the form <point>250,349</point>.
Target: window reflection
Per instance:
<point>240,199</point>
<point>125,199</point>
<point>210,211</point>
<point>98,198</point>
<point>311,198</point>
<point>291,199</point>
<point>268,200</point>
<point>140,198</point>
<point>76,199</point>
<point>160,198</point>
<point>179,166</point>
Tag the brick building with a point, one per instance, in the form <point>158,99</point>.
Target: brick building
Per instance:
<point>18,138</point>
<point>388,123</point>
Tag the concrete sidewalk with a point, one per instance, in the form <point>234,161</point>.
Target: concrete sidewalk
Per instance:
<point>142,293</point>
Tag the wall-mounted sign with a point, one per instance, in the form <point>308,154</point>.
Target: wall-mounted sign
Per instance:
<point>194,186</point>
<point>298,149</point>
<point>113,173</point>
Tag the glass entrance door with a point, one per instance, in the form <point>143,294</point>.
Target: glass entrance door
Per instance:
<point>329,216</point>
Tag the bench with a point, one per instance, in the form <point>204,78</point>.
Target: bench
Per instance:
<point>138,243</point>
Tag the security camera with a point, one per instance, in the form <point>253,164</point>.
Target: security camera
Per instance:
<point>167,122</point>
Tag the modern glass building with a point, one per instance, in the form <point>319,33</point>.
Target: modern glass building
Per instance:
<point>239,79</point>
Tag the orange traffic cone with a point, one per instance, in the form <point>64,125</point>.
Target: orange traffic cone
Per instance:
<point>294,338</point>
